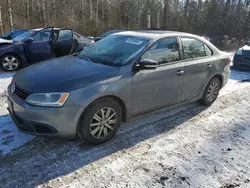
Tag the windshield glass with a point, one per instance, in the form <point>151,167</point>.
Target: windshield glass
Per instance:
<point>24,35</point>
<point>6,34</point>
<point>114,50</point>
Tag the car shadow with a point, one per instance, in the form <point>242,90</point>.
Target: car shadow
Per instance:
<point>240,75</point>
<point>45,159</point>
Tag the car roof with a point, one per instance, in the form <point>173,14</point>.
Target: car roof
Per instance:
<point>154,34</point>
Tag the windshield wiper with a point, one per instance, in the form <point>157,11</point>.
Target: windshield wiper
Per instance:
<point>84,57</point>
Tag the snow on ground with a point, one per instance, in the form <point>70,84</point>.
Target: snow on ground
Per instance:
<point>10,137</point>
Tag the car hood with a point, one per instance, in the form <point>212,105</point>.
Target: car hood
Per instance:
<point>4,41</point>
<point>62,74</point>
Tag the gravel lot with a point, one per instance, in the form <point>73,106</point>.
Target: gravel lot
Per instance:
<point>188,146</point>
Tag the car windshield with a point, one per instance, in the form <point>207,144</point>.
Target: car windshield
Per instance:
<point>114,50</point>
<point>6,34</point>
<point>24,35</point>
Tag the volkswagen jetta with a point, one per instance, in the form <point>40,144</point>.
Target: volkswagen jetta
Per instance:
<point>124,75</point>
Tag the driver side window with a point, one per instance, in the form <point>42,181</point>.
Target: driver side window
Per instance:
<point>43,35</point>
<point>164,51</point>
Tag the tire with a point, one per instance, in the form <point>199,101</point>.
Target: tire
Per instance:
<point>94,115</point>
<point>10,62</point>
<point>210,94</point>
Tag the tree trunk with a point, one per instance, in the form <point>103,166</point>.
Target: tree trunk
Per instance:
<point>158,20</point>
<point>27,13</point>
<point>166,14</point>
<point>10,15</point>
<point>54,12</point>
<point>148,19</point>
<point>139,17</point>
<point>1,21</point>
<point>97,11</point>
<point>44,13</point>
<point>186,14</point>
<point>90,10</point>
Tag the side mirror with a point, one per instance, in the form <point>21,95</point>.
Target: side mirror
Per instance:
<point>147,64</point>
<point>28,40</point>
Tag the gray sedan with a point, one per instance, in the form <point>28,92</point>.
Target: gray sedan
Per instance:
<point>90,94</point>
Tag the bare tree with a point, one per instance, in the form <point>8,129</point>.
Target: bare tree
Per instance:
<point>53,12</point>
<point>27,13</point>
<point>90,10</point>
<point>1,20</point>
<point>148,18</point>
<point>97,11</point>
<point>166,13</point>
<point>44,13</point>
<point>10,14</point>
<point>158,20</point>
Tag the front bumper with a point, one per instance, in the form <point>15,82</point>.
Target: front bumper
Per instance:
<point>59,122</point>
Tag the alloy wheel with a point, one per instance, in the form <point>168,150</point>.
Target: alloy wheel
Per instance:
<point>10,63</point>
<point>213,91</point>
<point>103,122</point>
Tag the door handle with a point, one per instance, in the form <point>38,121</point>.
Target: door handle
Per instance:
<point>47,45</point>
<point>209,65</point>
<point>179,72</point>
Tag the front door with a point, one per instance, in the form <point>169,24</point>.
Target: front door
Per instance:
<point>64,44</point>
<point>198,64</point>
<point>39,49</point>
<point>154,89</point>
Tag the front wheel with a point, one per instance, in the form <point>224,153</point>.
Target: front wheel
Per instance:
<point>100,121</point>
<point>10,62</point>
<point>211,92</point>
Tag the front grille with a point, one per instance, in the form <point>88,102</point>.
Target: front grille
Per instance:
<point>247,58</point>
<point>21,93</point>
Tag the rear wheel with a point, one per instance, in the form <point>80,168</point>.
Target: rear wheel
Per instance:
<point>100,121</point>
<point>211,92</point>
<point>10,62</point>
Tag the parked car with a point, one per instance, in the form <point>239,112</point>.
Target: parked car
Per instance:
<point>106,34</point>
<point>38,45</point>
<point>88,95</point>
<point>241,58</point>
<point>12,34</point>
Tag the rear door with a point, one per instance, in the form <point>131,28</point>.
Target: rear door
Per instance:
<point>198,63</point>
<point>40,48</point>
<point>64,44</point>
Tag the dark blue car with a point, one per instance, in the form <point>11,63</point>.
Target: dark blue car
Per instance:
<point>241,58</point>
<point>38,45</point>
<point>12,34</point>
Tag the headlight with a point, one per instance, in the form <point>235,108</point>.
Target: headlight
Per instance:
<point>239,52</point>
<point>47,99</point>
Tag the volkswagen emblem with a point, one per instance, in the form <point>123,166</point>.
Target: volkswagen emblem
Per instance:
<point>13,87</point>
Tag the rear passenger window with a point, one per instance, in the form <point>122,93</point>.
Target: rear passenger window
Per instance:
<point>193,48</point>
<point>164,51</point>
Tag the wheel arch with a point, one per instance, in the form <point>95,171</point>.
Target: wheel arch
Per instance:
<point>15,54</point>
<point>219,77</point>
<point>118,100</point>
